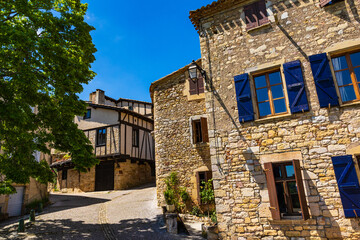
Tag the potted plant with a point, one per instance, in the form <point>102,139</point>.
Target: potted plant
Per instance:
<point>169,195</point>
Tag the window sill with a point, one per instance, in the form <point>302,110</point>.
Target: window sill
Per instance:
<point>350,104</point>
<point>293,222</point>
<point>273,117</point>
<point>102,145</point>
<point>259,27</point>
<point>195,97</point>
<point>199,145</point>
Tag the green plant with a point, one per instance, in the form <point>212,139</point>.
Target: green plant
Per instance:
<point>169,195</point>
<point>195,211</point>
<point>174,194</point>
<point>184,194</point>
<point>36,203</point>
<point>207,194</point>
<point>213,217</point>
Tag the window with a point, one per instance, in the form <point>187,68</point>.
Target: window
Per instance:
<point>101,137</point>
<point>286,190</point>
<point>270,94</point>
<point>135,137</point>
<point>347,74</point>
<point>200,130</point>
<point>196,86</point>
<point>87,114</point>
<point>201,179</point>
<point>255,15</point>
<point>324,3</point>
<point>64,174</point>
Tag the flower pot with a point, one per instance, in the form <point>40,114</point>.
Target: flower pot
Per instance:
<point>170,208</point>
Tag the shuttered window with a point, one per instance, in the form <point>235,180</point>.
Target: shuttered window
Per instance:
<point>196,86</point>
<point>295,87</point>
<point>324,82</point>
<point>255,15</point>
<point>286,190</point>
<point>200,131</point>
<point>243,98</point>
<point>347,74</point>
<point>270,94</point>
<point>201,179</point>
<point>348,184</point>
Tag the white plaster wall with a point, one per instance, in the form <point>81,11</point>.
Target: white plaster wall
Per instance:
<point>99,117</point>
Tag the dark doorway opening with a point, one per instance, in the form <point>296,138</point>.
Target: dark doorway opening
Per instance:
<point>104,176</point>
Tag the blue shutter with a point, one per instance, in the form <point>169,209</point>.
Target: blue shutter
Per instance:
<point>348,184</point>
<point>295,87</point>
<point>324,82</point>
<point>243,98</point>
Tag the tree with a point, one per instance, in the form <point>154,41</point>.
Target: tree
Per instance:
<point>45,56</point>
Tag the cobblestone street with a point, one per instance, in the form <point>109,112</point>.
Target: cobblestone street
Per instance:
<point>128,214</point>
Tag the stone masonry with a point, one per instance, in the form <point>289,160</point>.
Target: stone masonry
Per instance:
<point>297,29</point>
<point>174,151</point>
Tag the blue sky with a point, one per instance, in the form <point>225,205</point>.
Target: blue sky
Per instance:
<point>139,42</point>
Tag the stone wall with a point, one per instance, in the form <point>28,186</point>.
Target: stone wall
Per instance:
<point>126,175</point>
<point>238,150</point>
<point>174,150</point>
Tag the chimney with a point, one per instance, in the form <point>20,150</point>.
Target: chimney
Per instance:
<point>97,97</point>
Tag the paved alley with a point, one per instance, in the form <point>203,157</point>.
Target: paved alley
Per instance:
<point>128,214</point>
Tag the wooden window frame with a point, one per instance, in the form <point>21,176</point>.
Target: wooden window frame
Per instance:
<point>271,184</point>
<point>135,137</point>
<point>98,144</point>
<point>324,3</point>
<point>268,86</point>
<point>350,68</point>
<point>255,9</point>
<point>208,176</point>
<point>86,114</point>
<point>200,130</point>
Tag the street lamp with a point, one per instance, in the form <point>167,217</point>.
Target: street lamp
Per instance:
<point>193,71</point>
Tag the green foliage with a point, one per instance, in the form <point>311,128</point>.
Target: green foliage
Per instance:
<point>195,211</point>
<point>213,217</point>
<point>174,194</point>
<point>169,195</point>
<point>45,59</point>
<point>35,204</point>
<point>207,192</point>
<point>184,194</point>
<point>6,188</point>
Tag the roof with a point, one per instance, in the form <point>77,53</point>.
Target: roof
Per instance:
<point>120,109</point>
<point>122,99</point>
<point>168,77</point>
<point>214,7</point>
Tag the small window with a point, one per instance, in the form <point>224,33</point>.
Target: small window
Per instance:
<point>202,178</point>
<point>324,3</point>
<point>347,74</point>
<point>135,137</point>
<point>87,114</point>
<point>255,15</point>
<point>196,86</point>
<point>286,190</point>
<point>200,131</point>
<point>101,137</point>
<point>270,94</point>
<point>64,174</point>
<point>131,108</point>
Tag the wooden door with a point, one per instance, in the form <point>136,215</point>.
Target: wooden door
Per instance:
<point>104,176</point>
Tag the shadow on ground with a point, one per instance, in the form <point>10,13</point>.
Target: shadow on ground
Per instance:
<point>130,229</point>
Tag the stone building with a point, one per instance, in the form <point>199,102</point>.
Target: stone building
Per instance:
<point>181,136</point>
<point>282,101</point>
<point>14,204</point>
<point>120,133</point>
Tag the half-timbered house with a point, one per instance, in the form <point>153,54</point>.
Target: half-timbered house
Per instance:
<point>120,133</point>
